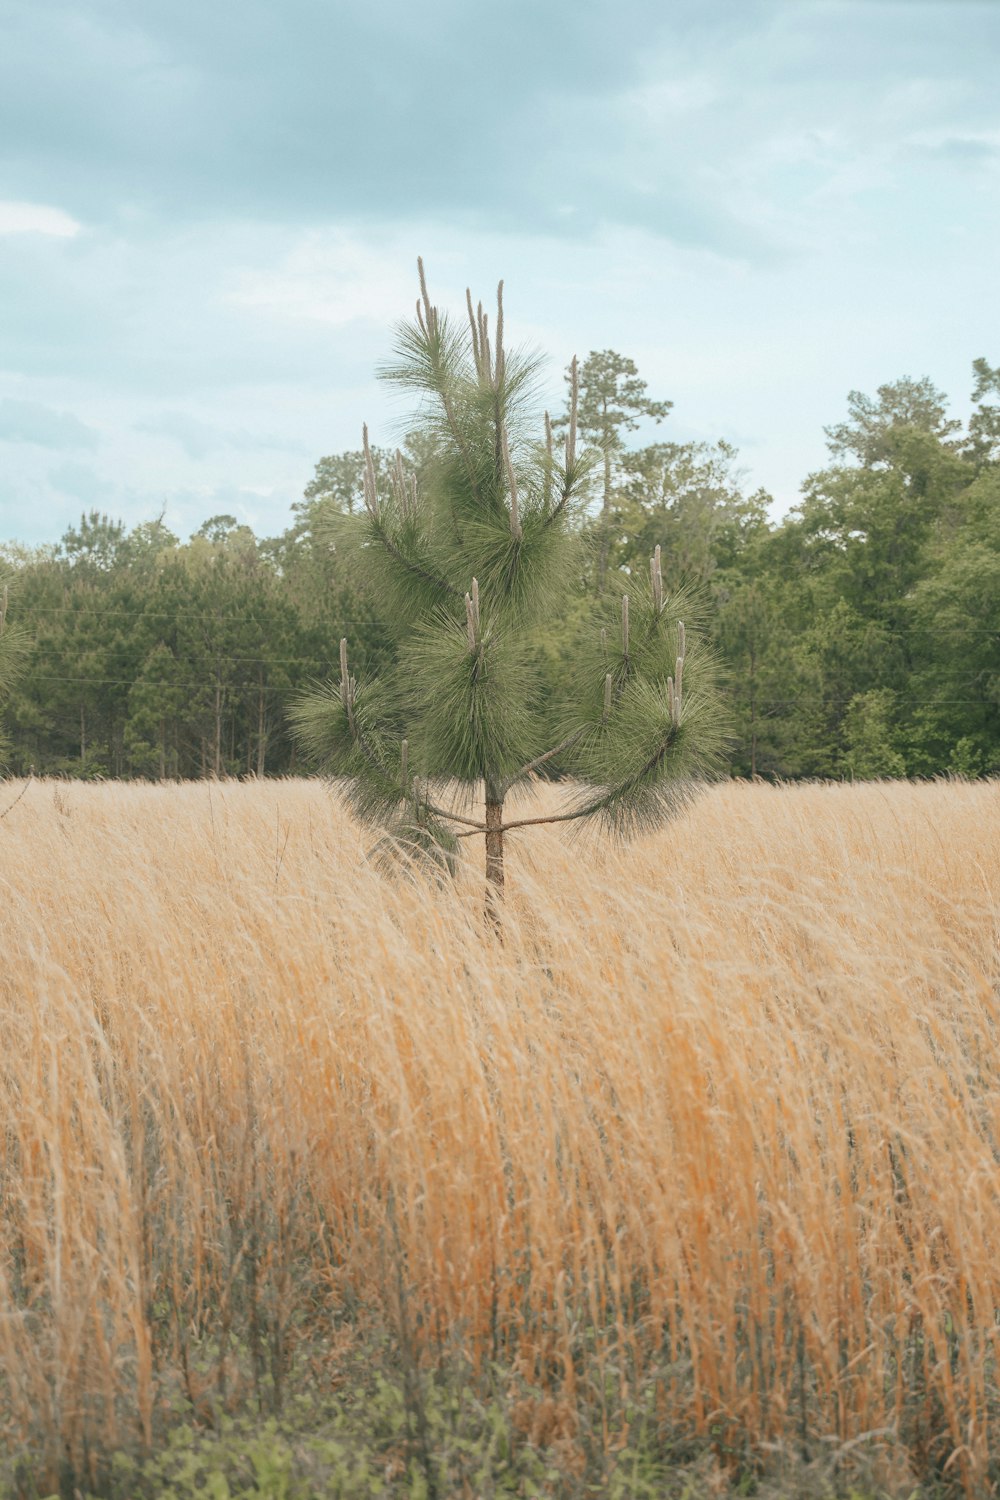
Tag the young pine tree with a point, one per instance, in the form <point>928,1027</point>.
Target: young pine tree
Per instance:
<point>469,568</point>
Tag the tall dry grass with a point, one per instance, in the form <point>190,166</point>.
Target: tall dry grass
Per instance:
<point>721,1113</point>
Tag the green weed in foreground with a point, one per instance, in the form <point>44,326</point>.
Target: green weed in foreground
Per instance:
<point>382,1428</point>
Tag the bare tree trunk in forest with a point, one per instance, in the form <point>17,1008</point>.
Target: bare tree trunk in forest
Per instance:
<point>217,744</point>
<point>753,713</point>
<point>261,739</point>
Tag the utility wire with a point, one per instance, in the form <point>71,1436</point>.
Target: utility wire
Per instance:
<point>370,621</point>
<point>144,614</point>
<point>252,661</point>
<point>253,687</point>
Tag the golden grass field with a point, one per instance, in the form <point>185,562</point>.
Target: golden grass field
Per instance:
<point>721,1112</point>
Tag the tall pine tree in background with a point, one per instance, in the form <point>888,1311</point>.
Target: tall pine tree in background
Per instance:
<point>610,399</point>
<point>468,567</point>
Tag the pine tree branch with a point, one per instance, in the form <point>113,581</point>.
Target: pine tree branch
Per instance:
<point>571,474</point>
<point>539,760</point>
<point>411,566</point>
<point>599,803</point>
<point>439,812</point>
<point>566,817</point>
<point>456,433</point>
<point>560,506</point>
<point>570,466</point>
<point>375,761</point>
<point>371,755</point>
<point>632,783</point>
<point>432,331</point>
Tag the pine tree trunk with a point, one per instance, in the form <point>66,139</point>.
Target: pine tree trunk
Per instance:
<point>494,857</point>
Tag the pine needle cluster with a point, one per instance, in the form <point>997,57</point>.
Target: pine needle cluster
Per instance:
<point>469,569</point>
<point>13,647</point>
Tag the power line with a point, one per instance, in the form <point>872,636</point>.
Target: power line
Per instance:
<point>144,614</point>
<point>249,687</point>
<point>252,661</point>
<point>129,682</point>
<point>368,622</point>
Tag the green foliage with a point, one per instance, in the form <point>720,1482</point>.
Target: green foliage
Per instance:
<point>612,401</point>
<point>871,736</point>
<point>481,722</point>
<point>953,613</point>
<point>471,565</point>
<point>688,498</point>
<point>13,648</point>
<point>983,445</point>
<point>873,602</point>
<point>861,632</point>
<point>385,1430</point>
<point>906,403</point>
<point>145,657</point>
<point>338,483</point>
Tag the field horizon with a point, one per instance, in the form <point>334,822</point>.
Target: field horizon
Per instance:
<point>695,1170</point>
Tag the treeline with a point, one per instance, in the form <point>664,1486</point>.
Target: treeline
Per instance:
<point>858,636</point>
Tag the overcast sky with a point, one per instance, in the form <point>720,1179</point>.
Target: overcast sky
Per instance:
<point>210,215</point>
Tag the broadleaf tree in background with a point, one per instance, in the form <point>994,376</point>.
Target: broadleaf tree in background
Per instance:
<point>468,567</point>
<point>867,434</point>
<point>688,497</point>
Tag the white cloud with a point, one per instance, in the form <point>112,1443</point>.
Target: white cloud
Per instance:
<point>659,102</point>
<point>329,277</point>
<point>36,218</point>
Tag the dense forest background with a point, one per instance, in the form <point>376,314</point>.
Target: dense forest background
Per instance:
<point>858,636</point>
